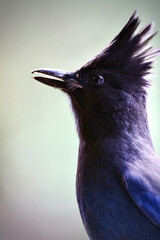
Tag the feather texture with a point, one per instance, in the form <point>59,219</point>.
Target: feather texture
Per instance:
<point>129,53</point>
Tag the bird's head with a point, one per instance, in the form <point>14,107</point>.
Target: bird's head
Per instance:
<point>109,89</point>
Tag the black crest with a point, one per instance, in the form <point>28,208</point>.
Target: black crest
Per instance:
<point>129,53</point>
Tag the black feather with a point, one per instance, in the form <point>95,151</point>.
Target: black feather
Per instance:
<point>129,53</point>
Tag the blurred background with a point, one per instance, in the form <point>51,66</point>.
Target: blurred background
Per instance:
<point>39,144</point>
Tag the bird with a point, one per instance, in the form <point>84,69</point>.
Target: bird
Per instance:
<point>118,172</point>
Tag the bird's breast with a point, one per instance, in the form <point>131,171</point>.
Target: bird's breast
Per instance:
<point>96,194</point>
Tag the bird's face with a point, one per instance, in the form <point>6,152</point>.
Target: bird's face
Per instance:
<point>88,87</point>
<point>92,88</point>
<point>99,99</point>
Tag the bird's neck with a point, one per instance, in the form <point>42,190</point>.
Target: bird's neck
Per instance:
<point>116,147</point>
<point>114,125</point>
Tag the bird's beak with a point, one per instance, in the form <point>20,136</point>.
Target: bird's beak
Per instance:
<point>66,81</point>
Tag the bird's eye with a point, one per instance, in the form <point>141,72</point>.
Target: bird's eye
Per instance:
<point>98,80</point>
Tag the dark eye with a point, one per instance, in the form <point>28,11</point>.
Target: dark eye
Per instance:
<point>98,80</point>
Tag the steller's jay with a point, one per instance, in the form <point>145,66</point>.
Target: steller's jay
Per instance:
<point>118,176</point>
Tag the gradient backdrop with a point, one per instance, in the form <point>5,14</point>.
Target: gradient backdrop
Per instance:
<point>39,143</point>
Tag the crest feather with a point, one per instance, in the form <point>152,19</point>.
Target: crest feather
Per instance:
<point>129,53</point>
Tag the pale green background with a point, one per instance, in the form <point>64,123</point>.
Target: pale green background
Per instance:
<point>39,143</point>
